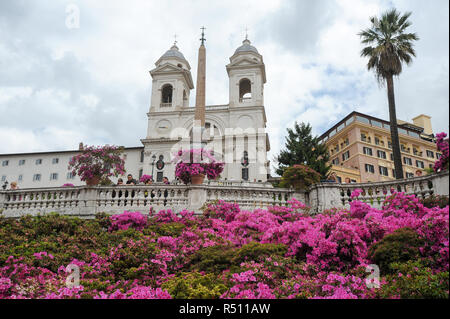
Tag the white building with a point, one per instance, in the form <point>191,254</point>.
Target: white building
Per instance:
<point>235,131</point>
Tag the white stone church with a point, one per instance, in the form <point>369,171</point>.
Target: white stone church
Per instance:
<point>234,131</point>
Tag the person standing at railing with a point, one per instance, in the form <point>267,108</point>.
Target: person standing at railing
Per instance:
<point>166,180</point>
<point>14,186</point>
<point>131,180</point>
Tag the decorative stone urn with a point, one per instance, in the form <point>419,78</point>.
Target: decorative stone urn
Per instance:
<point>94,181</point>
<point>197,179</point>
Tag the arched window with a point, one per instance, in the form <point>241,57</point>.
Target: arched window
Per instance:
<point>245,90</point>
<point>166,96</point>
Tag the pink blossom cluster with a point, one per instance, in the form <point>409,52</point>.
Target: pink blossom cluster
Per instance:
<point>98,161</point>
<point>128,219</point>
<point>196,162</point>
<point>443,147</point>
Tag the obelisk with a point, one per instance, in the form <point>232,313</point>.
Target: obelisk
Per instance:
<point>200,101</point>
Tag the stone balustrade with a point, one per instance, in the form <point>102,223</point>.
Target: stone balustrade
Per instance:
<point>326,196</point>
<point>87,201</point>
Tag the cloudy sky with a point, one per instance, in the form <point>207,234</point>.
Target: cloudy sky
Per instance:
<point>60,85</point>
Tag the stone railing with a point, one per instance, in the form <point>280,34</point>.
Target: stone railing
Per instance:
<point>326,196</point>
<point>87,201</point>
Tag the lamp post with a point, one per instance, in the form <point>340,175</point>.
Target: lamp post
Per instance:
<point>153,163</point>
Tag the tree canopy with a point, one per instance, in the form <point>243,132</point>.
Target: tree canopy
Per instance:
<point>303,148</point>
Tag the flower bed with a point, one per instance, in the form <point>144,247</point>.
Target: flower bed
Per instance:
<point>281,252</point>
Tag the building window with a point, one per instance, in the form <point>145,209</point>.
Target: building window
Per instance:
<point>3,178</point>
<point>365,138</point>
<point>392,157</point>
<point>438,155</point>
<point>384,171</point>
<point>430,154</point>
<point>39,161</point>
<point>70,175</point>
<point>339,179</point>
<point>403,148</point>
<point>362,119</point>
<point>335,161</point>
<point>5,163</point>
<point>346,156</point>
<point>367,151</point>
<point>55,161</point>
<point>420,164</point>
<point>53,176</point>
<point>21,162</point>
<point>142,156</point>
<point>159,177</point>
<point>381,154</point>
<point>20,178</point>
<point>166,96</point>
<point>140,173</point>
<point>245,90</point>
<point>245,176</point>
<point>407,161</point>
<point>409,175</point>
<point>370,168</point>
<point>36,177</point>
<point>389,144</point>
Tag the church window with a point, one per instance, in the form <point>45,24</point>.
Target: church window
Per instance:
<point>166,98</point>
<point>245,90</point>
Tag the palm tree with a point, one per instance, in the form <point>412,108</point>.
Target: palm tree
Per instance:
<point>388,46</point>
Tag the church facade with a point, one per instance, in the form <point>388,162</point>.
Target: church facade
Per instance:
<point>235,132</point>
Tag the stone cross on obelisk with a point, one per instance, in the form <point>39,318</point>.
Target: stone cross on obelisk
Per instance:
<point>200,101</point>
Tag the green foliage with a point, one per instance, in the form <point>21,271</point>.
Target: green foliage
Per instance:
<point>303,148</point>
<point>400,246</point>
<point>170,229</point>
<point>412,280</point>
<point>299,177</point>
<point>435,201</point>
<point>194,285</point>
<point>216,259</point>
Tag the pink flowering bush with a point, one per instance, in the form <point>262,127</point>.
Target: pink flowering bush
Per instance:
<point>128,219</point>
<point>98,161</point>
<point>68,185</point>
<point>196,162</point>
<point>443,147</point>
<point>278,252</point>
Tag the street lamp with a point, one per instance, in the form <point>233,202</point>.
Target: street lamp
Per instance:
<point>153,163</point>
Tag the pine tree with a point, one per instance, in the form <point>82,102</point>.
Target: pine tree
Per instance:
<point>303,148</point>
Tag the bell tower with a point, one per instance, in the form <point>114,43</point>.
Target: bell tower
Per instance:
<point>172,82</point>
<point>247,75</point>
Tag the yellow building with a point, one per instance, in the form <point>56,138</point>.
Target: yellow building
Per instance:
<point>361,151</point>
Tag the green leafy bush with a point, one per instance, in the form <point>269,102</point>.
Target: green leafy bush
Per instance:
<point>412,280</point>
<point>400,246</point>
<point>435,201</point>
<point>194,285</point>
<point>299,177</point>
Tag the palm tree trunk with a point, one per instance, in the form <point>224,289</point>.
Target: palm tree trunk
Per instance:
<point>394,129</point>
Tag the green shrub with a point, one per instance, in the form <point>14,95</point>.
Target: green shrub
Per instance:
<point>299,177</point>
<point>412,280</point>
<point>194,285</point>
<point>400,246</point>
<point>256,251</point>
<point>170,229</point>
<point>435,201</point>
<point>216,259</point>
